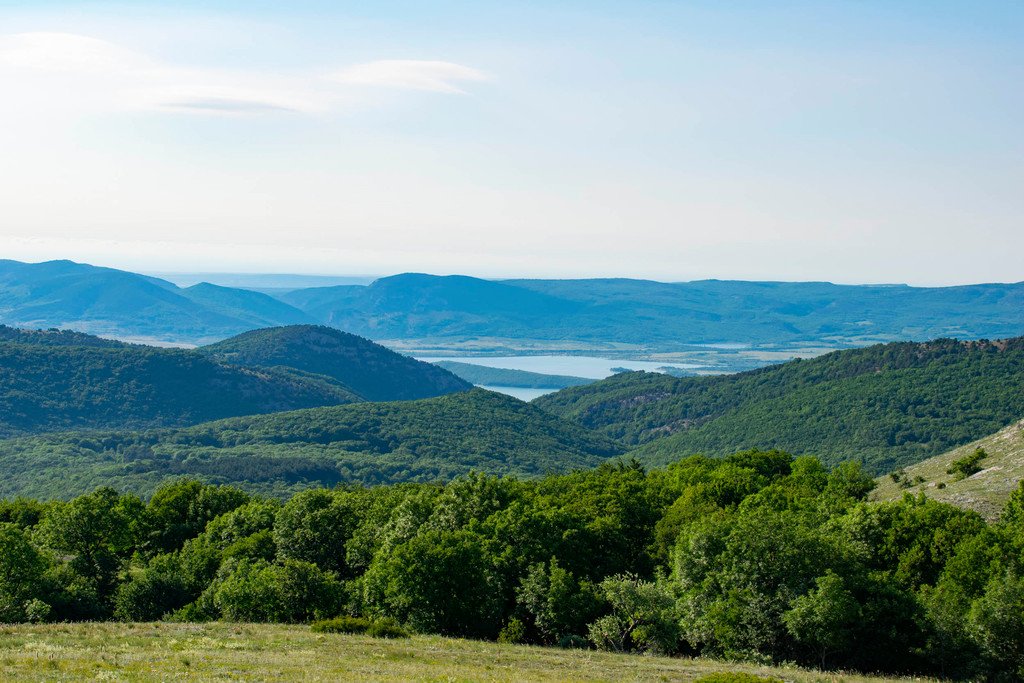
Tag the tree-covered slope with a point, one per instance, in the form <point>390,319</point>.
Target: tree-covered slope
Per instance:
<point>48,387</point>
<point>54,337</point>
<point>887,405</point>
<point>369,369</point>
<point>426,440</point>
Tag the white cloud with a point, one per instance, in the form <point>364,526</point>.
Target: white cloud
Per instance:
<point>410,74</point>
<point>67,52</point>
<point>89,73</point>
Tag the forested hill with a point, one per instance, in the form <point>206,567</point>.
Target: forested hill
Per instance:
<point>54,337</point>
<point>48,387</point>
<point>887,405</point>
<point>428,440</point>
<point>371,370</point>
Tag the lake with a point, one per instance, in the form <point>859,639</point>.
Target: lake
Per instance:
<point>521,393</point>
<point>591,367</point>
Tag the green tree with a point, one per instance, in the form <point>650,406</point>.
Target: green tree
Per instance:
<point>21,571</point>
<point>825,619</point>
<point>180,510</point>
<point>97,532</point>
<point>644,617</point>
<point>292,592</point>
<point>152,592</point>
<point>997,623</point>
<point>315,526</point>
<point>437,582</point>
<point>557,604</point>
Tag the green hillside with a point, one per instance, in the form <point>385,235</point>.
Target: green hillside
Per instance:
<point>428,440</point>
<point>503,377</point>
<point>48,386</point>
<point>985,491</point>
<point>888,405</point>
<point>371,370</point>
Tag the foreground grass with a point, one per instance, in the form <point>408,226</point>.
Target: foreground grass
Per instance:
<point>985,492</point>
<point>220,651</point>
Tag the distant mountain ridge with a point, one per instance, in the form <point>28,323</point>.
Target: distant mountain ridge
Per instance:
<point>105,301</point>
<point>664,315</point>
<point>650,315</point>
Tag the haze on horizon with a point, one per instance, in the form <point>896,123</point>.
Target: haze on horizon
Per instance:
<point>854,142</point>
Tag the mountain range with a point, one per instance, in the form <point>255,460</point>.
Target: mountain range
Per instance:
<point>649,315</point>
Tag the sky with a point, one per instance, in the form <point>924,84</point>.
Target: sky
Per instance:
<point>854,142</point>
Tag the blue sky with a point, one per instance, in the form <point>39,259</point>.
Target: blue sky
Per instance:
<point>852,142</point>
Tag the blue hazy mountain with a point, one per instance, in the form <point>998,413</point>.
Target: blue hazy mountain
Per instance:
<point>254,309</point>
<point>664,314</point>
<point>655,315</point>
<point>111,302</point>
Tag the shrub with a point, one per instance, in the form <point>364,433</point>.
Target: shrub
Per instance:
<point>381,628</point>
<point>386,628</point>
<point>343,624</point>
<point>513,632</point>
<point>735,677</point>
<point>967,465</point>
<point>37,611</point>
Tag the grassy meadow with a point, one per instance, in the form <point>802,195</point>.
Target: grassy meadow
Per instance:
<point>984,492</point>
<point>225,651</point>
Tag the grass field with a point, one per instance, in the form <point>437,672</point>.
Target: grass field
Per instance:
<point>220,651</point>
<point>985,492</point>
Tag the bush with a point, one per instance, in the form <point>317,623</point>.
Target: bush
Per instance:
<point>291,593</point>
<point>514,632</point>
<point>967,465</point>
<point>386,628</point>
<point>37,611</point>
<point>735,677</point>
<point>341,625</point>
<point>381,628</point>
